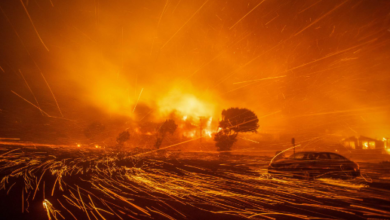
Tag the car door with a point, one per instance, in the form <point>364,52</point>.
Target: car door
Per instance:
<point>309,162</point>
<point>337,162</point>
<point>323,163</point>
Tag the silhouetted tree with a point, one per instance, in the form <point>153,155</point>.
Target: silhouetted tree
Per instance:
<point>169,126</point>
<point>121,139</point>
<point>239,120</point>
<point>234,121</point>
<point>224,142</point>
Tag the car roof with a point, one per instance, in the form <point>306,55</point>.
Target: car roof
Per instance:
<point>317,152</point>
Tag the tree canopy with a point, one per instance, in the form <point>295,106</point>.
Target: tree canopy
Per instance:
<point>239,120</point>
<point>234,121</point>
<point>169,126</point>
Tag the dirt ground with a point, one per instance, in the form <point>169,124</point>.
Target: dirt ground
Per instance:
<point>52,183</point>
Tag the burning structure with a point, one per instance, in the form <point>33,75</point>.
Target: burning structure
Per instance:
<point>363,143</point>
<point>367,145</point>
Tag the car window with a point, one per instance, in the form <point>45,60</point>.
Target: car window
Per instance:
<point>310,156</point>
<point>336,157</point>
<point>322,156</point>
<point>298,156</point>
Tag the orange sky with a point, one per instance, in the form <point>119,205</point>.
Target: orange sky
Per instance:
<point>302,66</point>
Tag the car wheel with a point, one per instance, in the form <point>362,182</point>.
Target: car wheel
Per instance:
<point>307,175</point>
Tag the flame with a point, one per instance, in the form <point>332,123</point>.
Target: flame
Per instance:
<point>189,134</point>
<point>209,121</point>
<point>187,104</point>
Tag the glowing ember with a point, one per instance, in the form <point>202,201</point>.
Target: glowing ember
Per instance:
<point>107,189</point>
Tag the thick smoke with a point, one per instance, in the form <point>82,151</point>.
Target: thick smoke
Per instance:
<point>302,67</point>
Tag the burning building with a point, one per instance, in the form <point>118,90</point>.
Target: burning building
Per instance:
<point>364,143</point>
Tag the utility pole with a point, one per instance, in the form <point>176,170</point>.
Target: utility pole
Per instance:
<point>202,122</point>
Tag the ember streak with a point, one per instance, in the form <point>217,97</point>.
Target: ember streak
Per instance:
<point>75,183</point>
<point>109,109</point>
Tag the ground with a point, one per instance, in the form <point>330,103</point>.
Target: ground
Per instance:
<point>76,183</point>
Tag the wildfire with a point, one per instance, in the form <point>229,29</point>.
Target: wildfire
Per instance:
<point>209,121</point>
<point>166,68</point>
<point>187,104</point>
<point>189,134</point>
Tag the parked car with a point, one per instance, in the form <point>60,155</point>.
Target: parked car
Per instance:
<point>314,164</point>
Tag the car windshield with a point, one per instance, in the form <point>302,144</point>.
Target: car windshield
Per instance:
<point>322,156</point>
<point>316,156</point>
<point>298,156</point>
<point>336,157</point>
